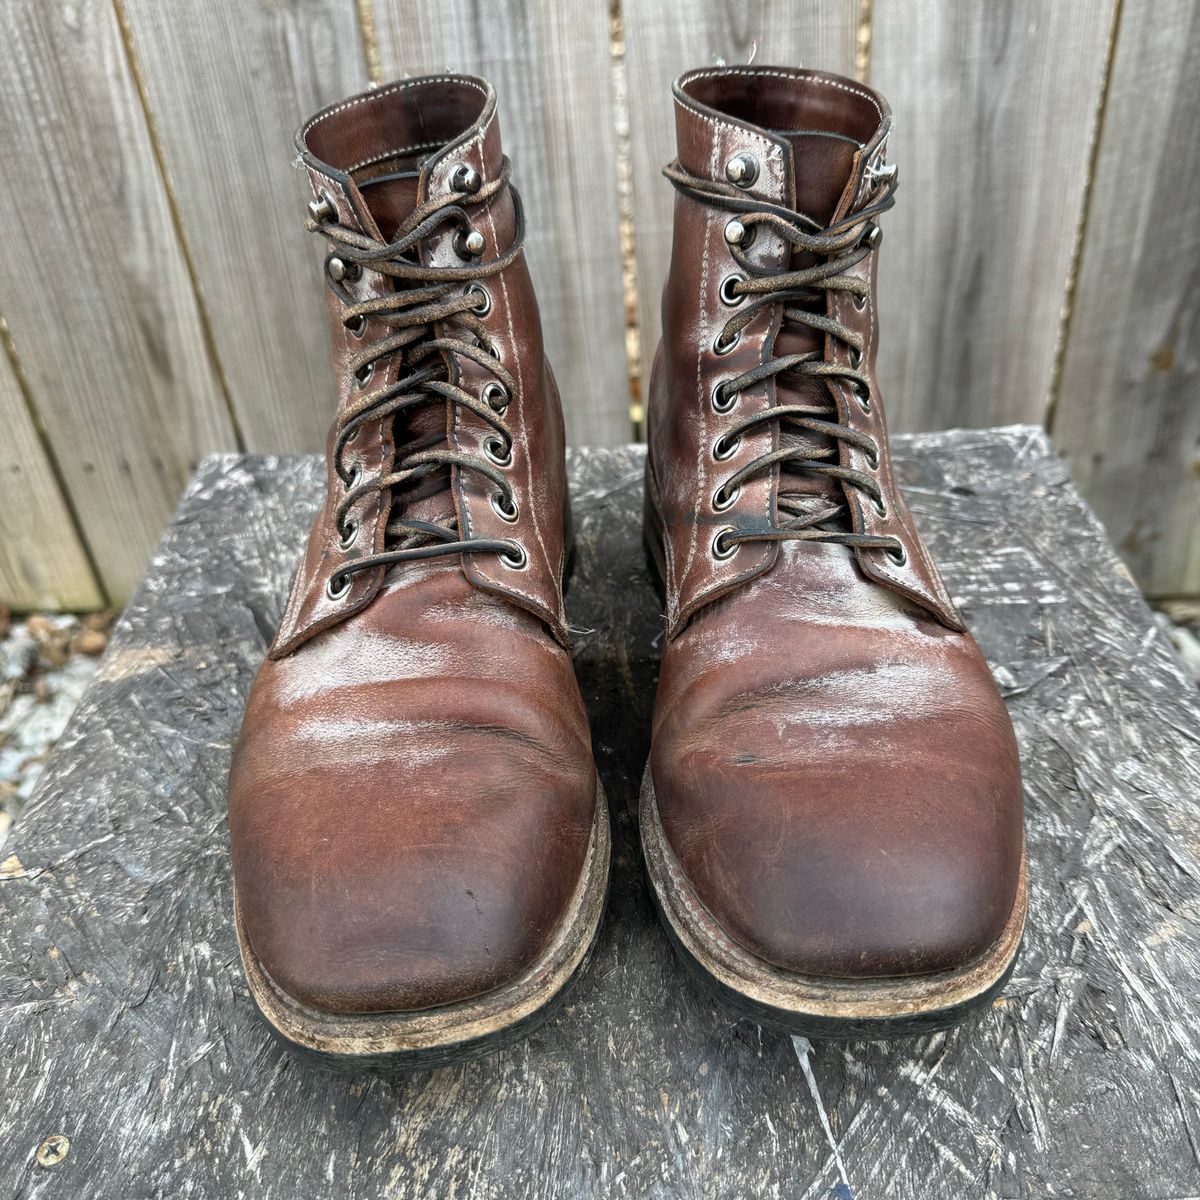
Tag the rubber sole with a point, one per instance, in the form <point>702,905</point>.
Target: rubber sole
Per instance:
<point>449,1033</point>
<point>811,1005</point>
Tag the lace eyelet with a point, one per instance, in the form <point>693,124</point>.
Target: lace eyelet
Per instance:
<point>874,236</point>
<point>356,326</point>
<point>721,402</point>
<point>724,448</point>
<point>364,375</point>
<point>729,297</point>
<point>323,208</point>
<point>496,396</point>
<point>336,591</point>
<point>484,304</point>
<point>353,477</point>
<point>872,457</point>
<point>862,396</point>
<point>897,554</point>
<point>859,302</point>
<point>499,450</point>
<point>856,357</point>
<point>505,507</point>
<point>722,548</point>
<point>879,505</point>
<point>517,560</point>
<point>725,497</point>
<point>348,535</point>
<point>722,347</point>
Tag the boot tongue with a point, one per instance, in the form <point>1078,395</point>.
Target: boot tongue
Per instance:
<point>823,166</point>
<point>391,191</point>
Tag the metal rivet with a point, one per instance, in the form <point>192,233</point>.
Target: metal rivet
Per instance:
<point>874,236</point>
<point>742,170</point>
<point>721,548</point>
<point>340,269</point>
<point>324,208</point>
<point>465,179</point>
<point>737,234</point>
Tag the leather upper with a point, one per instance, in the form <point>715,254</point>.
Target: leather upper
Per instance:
<point>834,768</point>
<point>413,794</point>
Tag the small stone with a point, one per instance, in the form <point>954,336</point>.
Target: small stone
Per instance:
<point>91,642</point>
<point>42,692</point>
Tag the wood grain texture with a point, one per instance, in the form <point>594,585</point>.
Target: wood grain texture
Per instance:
<point>42,564</point>
<point>1128,410</point>
<point>254,70</point>
<point>549,63</point>
<point>995,107</point>
<point>127,1026</point>
<point>93,283</point>
<point>662,40</point>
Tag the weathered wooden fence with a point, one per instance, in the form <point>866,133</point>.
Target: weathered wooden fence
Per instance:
<point>161,298</point>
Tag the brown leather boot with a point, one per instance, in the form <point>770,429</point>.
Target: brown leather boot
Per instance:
<point>831,815</point>
<point>420,843</point>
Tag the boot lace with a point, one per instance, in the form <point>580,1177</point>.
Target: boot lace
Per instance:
<point>422,296</point>
<point>802,292</point>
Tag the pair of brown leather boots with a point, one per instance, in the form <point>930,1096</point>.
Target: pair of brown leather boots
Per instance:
<point>831,816</point>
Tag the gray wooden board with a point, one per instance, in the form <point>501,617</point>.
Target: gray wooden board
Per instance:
<point>127,1027</point>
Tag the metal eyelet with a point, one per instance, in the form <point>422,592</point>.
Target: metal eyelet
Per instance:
<point>349,534</point>
<point>856,356</point>
<point>323,208</point>
<point>354,476</point>
<point>469,243</point>
<point>721,347</point>
<point>861,395</point>
<point>356,326</point>
<point>505,507</point>
<point>724,497</point>
<point>518,560</point>
<point>737,234</point>
<point>742,169</point>
<point>499,450</point>
<point>860,302</point>
<point>364,375</point>
<point>872,458</point>
<point>724,449</point>
<point>464,178</point>
<point>873,237</point>
<point>496,396</point>
<point>728,295</point>
<point>484,306</point>
<point>721,548</point>
<point>898,555</point>
<point>879,505</point>
<point>335,592</point>
<point>339,269</point>
<point>352,436</point>
<point>721,401</point>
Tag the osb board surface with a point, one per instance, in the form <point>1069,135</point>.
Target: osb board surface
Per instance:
<point>127,1027</point>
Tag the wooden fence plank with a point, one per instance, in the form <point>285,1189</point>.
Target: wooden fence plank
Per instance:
<point>1128,411</point>
<point>42,564</point>
<point>93,283</point>
<point>254,70</point>
<point>662,40</point>
<point>550,65</point>
<point>995,110</point>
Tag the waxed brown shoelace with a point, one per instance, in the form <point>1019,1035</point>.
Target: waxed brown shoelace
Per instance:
<point>430,294</point>
<point>835,249</point>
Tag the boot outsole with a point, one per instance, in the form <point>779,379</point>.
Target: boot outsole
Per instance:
<point>435,1037</point>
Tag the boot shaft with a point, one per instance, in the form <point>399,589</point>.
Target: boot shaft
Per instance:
<point>781,179</point>
<point>447,414</point>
